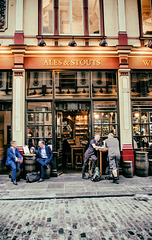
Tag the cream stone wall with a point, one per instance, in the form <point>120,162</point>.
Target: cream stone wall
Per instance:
<point>18,108</point>
<point>111,17</point>
<point>125,107</point>
<point>30,16</point>
<point>132,20</point>
<point>11,19</point>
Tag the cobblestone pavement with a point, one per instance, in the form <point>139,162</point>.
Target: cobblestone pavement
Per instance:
<point>78,218</point>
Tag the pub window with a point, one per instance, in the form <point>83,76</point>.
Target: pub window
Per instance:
<point>105,118</point>
<point>142,124</point>
<point>94,17</point>
<point>3,15</point>
<point>141,84</point>
<point>71,17</point>
<point>104,84</point>
<point>69,84</point>
<point>39,84</point>
<point>146,8</point>
<point>48,16</point>
<point>6,84</point>
<point>39,123</point>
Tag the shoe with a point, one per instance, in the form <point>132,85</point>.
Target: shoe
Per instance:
<point>14,182</point>
<point>47,166</point>
<point>109,178</point>
<point>115,181</point>
<point>84,176</point>
<point>40,180</point>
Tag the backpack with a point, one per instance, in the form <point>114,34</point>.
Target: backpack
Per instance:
<point>32,177</point>
<point>96,176</point>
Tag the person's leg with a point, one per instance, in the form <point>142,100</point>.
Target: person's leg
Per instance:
<point>42,171</point>
<point>46,161</point>
<point>42,163</point>
<point>86,158</point>
<point>113,167</point>
<point>13,166</point>
<point>94,158</point>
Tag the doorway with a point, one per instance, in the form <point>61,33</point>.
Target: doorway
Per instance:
<point>73,127</point>
<point>5,136</point>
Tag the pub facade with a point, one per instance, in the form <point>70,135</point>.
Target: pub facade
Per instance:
<point>70,69</point>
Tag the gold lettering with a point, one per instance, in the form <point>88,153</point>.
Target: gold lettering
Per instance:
<point>98,62</point>
<point>56,62</point>
<point>60,62</point>
<point>82,62</point>
<point>45,63</point>
<point>88,62</point>
<point>147,62</point>
<point>66,62</point>
<point>50,62</point>
<point>73,62</point>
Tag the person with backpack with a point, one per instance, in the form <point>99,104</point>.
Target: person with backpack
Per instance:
<point>113,155</point>
<point>90,153</point>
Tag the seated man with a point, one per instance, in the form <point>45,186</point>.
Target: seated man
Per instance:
<point>45,156</point>
<point>90,153</point>
<point>113,155</point>
<point>14,159</point>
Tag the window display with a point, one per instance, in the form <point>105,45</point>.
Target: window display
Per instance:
<point>142,123</point>
<point>105,118</point>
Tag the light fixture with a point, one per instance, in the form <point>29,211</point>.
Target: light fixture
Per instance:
<point>103,43</point>
<point>41,43</point>
<point>136,114</point>
<point>72,43</point>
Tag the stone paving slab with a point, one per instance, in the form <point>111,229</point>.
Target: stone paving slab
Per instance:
<point>77,219</point>
<point>73,185</point>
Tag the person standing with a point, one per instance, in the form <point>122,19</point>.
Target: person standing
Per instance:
<point>45,156</point>
<point>113,155</point>
<point>14,159</point>
<point>90,153</point>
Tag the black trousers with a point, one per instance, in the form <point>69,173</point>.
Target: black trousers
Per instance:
<point>86,160</point>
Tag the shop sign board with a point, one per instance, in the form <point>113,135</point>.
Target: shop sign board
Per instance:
<point>140,62</point>
<point>6,62</point>
<point>71,62</point>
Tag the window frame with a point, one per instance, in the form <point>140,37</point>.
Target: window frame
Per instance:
<point>142,35</point>
<point>85,22</point>
<point>48,34</point>
<point>100,30</point>
<point>71,20</point>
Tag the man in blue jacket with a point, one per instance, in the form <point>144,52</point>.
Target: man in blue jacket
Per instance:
<point>14,159</point>
<point>44,157</point>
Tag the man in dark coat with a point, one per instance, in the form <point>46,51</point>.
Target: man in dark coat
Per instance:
<point>14,159</point>
<point>90,153</point>
<point>44,157</point>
